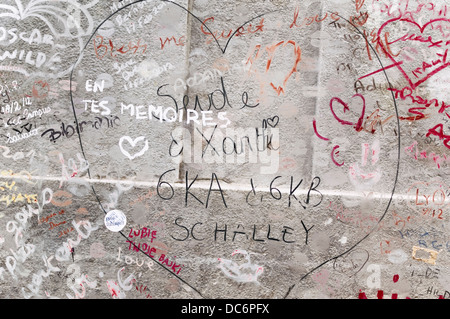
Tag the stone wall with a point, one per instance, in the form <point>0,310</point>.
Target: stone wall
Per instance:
<point>224,149</point>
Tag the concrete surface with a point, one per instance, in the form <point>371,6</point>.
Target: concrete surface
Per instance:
<point>224,149</point>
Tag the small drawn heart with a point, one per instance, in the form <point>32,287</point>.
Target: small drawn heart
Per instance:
<point>346,108</point>
<point>133,144</point>
<point>352,262</point>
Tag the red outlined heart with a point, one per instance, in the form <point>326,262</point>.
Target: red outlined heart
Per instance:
<point>271,52</point>
<point>359,4</point>
<point>340,118</point>
<point>346,108</point>
<point>428,68</point>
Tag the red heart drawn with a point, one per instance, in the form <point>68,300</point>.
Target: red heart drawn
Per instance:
<point>426,69</point>
<point>356,125</point>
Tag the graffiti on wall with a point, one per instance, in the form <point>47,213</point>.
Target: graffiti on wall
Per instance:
<point>185,149</point>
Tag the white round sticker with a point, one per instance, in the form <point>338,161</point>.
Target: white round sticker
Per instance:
<point>115,220</point>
